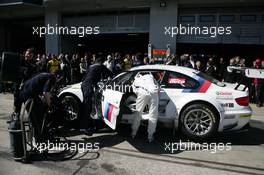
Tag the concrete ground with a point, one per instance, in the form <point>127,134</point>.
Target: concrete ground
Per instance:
<point>118,154</point>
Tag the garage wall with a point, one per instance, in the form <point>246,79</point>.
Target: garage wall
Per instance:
<point>130,22</point>
<point>247,24</point>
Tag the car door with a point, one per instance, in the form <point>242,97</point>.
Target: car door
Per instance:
<point>177,86</point>
<point>111,106</point>
<point>111,99</point>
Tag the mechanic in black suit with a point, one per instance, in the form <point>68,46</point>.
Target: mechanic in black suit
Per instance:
<point>94,74</point>
<point>38,88</point>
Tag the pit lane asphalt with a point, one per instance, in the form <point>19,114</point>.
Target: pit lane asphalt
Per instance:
<point>119,154</point>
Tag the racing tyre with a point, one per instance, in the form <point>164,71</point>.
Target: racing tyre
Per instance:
<point>72,106</point>
<point>199,121</point>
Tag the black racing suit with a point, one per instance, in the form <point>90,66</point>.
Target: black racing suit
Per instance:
<point>94,74</point>
<point>31,89</point>
<point>28,69</point>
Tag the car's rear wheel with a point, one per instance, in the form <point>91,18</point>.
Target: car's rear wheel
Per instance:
<point>72,111</point>
<point>199,121</point>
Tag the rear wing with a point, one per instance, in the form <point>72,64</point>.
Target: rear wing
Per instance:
<point>246,73</point>
<point>254,73</point>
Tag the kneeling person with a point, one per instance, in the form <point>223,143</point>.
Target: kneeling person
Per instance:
<point>38,88</point>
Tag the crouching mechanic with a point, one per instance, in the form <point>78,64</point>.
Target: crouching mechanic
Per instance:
<point>147,90</point>
<point>38,88</point>
<point>94,74</point>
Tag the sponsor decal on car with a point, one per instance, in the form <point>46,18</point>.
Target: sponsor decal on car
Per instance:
<point>245,115</point>
<point>227,105</point>
<point>176,80</point>
<point>108,111</point>
<point>224,95</point>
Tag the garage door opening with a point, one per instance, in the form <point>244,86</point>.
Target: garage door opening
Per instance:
<point>19,35</point>
<point>106,43</point>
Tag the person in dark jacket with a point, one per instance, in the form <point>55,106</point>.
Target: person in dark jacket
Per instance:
<point>75,69</point>
<point>28,69</point>
<point>65,69</point>
<point>230,77</point>
<point>94,74</point>
<point>210,69</point>
<point>38,88</point>
<point>259,85</point>
<point>221,69</point>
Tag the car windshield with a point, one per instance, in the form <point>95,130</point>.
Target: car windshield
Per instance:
<point>211,79</point>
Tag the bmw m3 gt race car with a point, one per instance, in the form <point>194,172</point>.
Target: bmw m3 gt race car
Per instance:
<point>189,100</point>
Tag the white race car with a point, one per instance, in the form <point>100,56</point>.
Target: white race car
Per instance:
<point>190,100</point>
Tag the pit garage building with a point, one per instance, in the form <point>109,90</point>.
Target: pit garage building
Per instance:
<point>131,25</point>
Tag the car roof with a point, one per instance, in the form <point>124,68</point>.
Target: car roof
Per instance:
<point>180,69</point>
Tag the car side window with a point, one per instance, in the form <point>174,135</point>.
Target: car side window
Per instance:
<point>179,81</point>
<point>122,82</point>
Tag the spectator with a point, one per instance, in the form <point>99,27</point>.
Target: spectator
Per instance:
<point>74,70</point>
<point>93,58</point>
<point>211,69</point>
<point>192,62</point>
<point>42,64</point>
<point>259,85</point>
<point>221,69</point>
<point>242,62</point>
<point>198,66</point>
<point>127,62</point>
<point>172,60</point>
<point>65,69</point>
<point>83,67</point>
<point>117,64</point>
<point>138,60</point>
<point>230,77</point>
<point>185,61</point>
<point>38,57</point>
<point>109,63</point>
<point>53,65</point>
<point>237,60</point>
<point>146,61</point>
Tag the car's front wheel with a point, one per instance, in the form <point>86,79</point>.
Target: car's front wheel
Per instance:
<point>199,121</point>
<point>72,107</point>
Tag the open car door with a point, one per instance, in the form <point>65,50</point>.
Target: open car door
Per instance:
<point>111,100</point>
